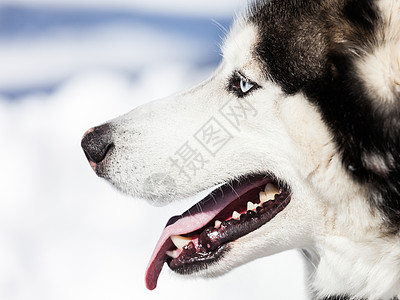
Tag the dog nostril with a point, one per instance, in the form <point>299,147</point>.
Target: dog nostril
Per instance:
<point>96,143</point>
<point>93,154</point>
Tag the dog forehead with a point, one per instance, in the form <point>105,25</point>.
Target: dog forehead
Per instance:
<point>239,46</point>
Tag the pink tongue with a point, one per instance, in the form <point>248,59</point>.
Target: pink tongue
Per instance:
<point>193,219</point>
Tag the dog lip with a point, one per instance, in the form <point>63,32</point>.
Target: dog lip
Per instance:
<point>192,257</point>
<point>196,218</point>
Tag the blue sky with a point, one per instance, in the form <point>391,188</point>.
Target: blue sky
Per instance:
<point>30,27</point>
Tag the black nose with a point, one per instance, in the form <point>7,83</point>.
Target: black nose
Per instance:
<point>96,142</point>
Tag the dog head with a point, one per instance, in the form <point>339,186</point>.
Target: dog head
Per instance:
<point>298,127</point>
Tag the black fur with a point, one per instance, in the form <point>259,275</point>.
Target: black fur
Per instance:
<point>312,46</point>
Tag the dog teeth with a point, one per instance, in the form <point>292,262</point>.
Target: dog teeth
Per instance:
<point>217,224</point>
<point>271,188</point>
<point>236,215</point>
<point>270,191</point>
<point>173,254</point>
<point>251,206</point>
<point>263,197</point>
<point>180,241</point>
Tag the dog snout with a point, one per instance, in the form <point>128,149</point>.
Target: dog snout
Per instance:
<point>96,143</point>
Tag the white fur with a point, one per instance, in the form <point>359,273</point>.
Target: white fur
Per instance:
<point>365,268</point>
<point>328,215</point>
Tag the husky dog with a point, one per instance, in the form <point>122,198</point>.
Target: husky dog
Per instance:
<point>298,130</point>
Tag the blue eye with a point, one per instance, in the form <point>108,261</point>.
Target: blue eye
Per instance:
<point>245,85</point>
<point>240,85</point>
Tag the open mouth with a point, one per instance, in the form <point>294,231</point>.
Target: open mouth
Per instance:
<point>202,234</point>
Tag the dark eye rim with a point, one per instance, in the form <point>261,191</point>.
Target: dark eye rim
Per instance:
<point>234,84</point>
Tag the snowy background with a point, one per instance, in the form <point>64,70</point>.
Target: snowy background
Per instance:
<point>65,66</point>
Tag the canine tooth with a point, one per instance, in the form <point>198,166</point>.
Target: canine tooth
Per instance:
<point>180,241</point>
<point>217,224</point>
<point>173,254</point>
<point>251,206</point>
<point>263,197</point>
<point>270,191</point>
<point>235,215</point>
